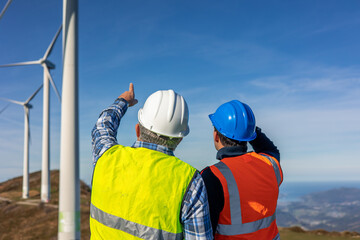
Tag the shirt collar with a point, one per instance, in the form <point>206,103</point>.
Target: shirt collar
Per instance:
<point>231,152</point>
<point>153,146</point>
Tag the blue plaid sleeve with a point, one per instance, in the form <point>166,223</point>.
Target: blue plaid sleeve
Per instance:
<point>105,130</point>
<point>195,214</point>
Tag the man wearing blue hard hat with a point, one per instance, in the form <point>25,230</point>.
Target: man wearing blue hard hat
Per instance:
<point>243,187</point>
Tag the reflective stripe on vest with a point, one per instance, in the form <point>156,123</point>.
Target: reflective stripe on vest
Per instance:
<point>276,168</point>
<point>277,237</point>
<point>237,227</point>
<point>132,228</point>
<point>137,194</point>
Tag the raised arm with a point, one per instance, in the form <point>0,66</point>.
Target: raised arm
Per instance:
<point>262,144</point>
<point>105,130</point>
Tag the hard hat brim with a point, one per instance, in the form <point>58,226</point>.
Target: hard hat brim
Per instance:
<point>228,134</point>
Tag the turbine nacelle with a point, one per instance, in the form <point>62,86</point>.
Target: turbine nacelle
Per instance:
<point>44,62</point>
<point>28,105</point>
<point>49,64</point>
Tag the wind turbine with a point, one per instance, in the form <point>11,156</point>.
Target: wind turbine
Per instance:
<point>5,8</point>
<point>47,65</point>
<point>27,106</point>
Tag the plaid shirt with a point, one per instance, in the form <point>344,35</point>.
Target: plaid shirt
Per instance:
<point>195,215</point>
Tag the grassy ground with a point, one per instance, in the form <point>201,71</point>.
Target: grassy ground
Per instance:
<point>298,234</point>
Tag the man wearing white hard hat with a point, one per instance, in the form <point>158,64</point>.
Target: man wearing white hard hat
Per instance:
<point>243,187</point>
<point>144,191</point>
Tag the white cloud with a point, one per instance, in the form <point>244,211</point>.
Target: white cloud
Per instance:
<point>315,122</point>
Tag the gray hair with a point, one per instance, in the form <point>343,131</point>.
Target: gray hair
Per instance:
<point>148,136</point>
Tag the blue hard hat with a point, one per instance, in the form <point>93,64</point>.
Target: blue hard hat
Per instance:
<point>235,120</point>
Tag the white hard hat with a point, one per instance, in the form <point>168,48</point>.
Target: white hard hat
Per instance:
<point>165,113</point>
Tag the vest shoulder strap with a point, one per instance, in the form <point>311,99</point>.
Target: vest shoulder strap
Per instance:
<point>277,169</point>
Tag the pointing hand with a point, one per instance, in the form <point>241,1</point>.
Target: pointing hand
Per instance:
<point>129,96</point>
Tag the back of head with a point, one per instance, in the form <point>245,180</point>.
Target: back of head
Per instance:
<point>164,118</point>
<point>236,121</point>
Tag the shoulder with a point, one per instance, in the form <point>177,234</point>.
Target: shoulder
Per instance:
<point>212,182</point>
<point>207,173</point>
<point>215,193</point>
<point>209,177</point>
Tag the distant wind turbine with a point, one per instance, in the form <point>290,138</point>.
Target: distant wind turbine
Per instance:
<point>27,106</point>
<point>47,65</point>
<point>5,8</point>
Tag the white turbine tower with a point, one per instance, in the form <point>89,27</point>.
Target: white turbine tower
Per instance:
<point>69,192</point>
<point>47,65</point>
<point>27,106</point>
<point>5,8</point>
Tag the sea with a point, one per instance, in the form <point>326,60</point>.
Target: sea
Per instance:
<point>293,191</point>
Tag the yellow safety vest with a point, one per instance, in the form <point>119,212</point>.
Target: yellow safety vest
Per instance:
<point>137,194</point>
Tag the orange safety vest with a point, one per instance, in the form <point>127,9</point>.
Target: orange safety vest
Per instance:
<point>251,188</point>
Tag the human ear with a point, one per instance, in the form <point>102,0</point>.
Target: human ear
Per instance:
<point>137,130</point>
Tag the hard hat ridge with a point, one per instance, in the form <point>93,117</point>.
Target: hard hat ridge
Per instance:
<point>166,113</point>
<point>172,105</point>
<point>235,120</point>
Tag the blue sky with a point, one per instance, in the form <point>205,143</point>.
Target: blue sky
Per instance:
<point>296,63</point>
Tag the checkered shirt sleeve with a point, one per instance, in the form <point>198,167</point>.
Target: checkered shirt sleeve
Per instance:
<point>195,214</point>
<point>105,130</point>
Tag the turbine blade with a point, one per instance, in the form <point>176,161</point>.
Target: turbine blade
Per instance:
<point>21,64</point>
<point>5,8</point>
<point>52,82</point>
<point>34,94</point>
<point>48,51</point>
<point>4,108</point>
<point>12,101</point>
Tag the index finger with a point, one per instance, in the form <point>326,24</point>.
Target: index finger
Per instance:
<point>131,87</point>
